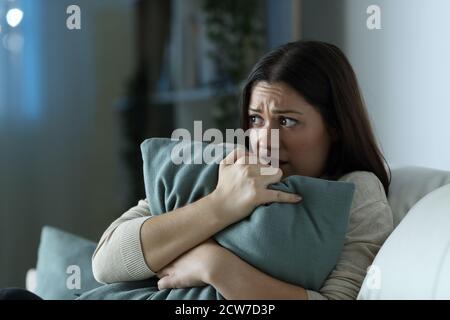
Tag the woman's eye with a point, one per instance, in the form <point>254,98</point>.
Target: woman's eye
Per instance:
<point>288,122</point>
<point>255,120</point>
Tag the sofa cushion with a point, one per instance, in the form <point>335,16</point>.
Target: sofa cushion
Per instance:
<point>64,268</point>
<point>410,184</point>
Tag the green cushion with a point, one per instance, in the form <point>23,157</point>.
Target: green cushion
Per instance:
<point>61,258</point>
<point>298,243</point>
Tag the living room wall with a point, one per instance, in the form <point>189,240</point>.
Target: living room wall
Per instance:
<point>403,70</point>
<point>61,140</point>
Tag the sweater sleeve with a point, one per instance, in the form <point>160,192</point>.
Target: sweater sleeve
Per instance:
<point>370,223</point>
<point>119,256</point>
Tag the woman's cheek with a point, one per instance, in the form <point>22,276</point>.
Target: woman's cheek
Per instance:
<point>302,160</point>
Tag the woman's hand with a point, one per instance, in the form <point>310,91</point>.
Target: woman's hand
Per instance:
<point>241,187</point>
<point>192,268</point>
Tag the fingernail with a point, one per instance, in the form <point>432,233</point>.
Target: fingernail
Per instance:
<point>299,198</point>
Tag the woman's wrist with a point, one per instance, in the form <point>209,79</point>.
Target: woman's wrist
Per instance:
<point>226,210</point>
<point>215,263</point>
<point>218,209</point>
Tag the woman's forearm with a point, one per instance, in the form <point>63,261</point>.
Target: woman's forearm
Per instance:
<point>235,279</point>
<point>167,236</point>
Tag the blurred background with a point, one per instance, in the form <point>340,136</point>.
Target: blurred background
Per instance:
<point>75,104</point>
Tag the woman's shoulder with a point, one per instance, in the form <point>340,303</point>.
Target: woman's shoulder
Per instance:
<point>368,188</point>
<point>370,211</point>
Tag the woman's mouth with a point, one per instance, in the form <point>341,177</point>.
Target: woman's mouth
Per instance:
<point>280,163</point>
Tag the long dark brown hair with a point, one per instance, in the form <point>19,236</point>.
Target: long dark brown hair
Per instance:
<point>321,73</point>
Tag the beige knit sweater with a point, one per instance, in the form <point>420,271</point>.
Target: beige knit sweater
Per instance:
<point>119,255</point>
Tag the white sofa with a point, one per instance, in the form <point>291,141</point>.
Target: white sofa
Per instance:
<point>390,279</point>
<point>414,262</point>
<point>410,184</point>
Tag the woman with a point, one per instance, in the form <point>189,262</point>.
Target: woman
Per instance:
<point>308,91</point>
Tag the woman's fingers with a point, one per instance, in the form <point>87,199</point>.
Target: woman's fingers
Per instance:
<point>249,180</point>
<point>251,159</point>
<point>272,178</point>
<point>280,196</point>
<point>233,156</point>
<point>162,273</point>
<point>241,156</point>
<point>163,283</point>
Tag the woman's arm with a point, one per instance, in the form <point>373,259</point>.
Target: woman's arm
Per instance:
<point>166,237</point>
<point>118,256</point>
<point>235,279</point>
<point>135,247</point>
<point>370,223</point>
<point>369,227</point>
<point>240,189</point>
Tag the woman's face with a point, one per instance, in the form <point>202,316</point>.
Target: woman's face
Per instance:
<point>304,142</point>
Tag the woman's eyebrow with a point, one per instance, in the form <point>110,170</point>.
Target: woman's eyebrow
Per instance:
<point>286,111</point>
<point>277,111</point>
<point>254,109</point>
